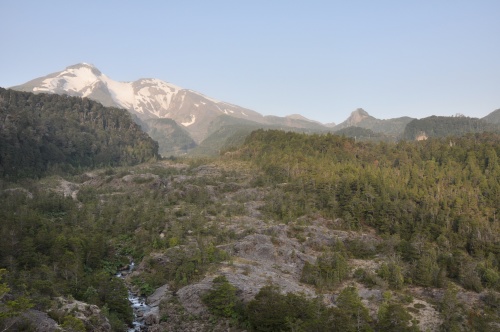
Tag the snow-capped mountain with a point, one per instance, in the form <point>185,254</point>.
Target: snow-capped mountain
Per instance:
<point>156,103</point>
<point>148,98</point>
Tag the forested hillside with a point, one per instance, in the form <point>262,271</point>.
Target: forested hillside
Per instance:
<point>442,126</point>
<point>440,196</point>
<point>48,133</point>
<point>363,134</point>
<point>289,232</point>
<point>493,117</point>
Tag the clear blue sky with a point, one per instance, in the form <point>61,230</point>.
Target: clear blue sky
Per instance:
<point>322,59</point>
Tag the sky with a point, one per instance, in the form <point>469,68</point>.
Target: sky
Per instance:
<point>320,59</point>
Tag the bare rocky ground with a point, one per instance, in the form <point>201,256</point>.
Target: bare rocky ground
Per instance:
<point>270,256</point>
<point>266,253</point>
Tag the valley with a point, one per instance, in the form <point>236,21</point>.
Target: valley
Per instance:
<point>261,223</point>
<point>280,230</point>
<point>244,166</point>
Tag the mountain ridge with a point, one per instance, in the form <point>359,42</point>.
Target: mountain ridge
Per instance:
<point>148,98</point>
<point>192,113</point>
<point>360,118</point>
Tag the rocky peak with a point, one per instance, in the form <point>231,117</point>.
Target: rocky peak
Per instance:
<point>357,116</point>
<point>84,65</point>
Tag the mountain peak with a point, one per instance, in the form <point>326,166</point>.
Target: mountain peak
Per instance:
<point>360,112</point>
<point>357,116</point>
<point>84,65</point>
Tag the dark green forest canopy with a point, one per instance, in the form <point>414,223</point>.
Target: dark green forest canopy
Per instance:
<point>442,126</point>
<point>42,133</point>
<point>442,186</point>
<point>364,134</point>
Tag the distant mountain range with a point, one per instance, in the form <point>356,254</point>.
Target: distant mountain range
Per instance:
<point>152,99</point>
<point>182,120</point>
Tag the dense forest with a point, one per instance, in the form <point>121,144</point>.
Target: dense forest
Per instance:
<point>364,134</point>
<point>43,133</point>
<point>439,196</point>
<point>442,126</point>
<point>287,232</point>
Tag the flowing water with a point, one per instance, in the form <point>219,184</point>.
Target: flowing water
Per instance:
<point>138,304</point>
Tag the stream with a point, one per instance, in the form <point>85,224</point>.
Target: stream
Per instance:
<point>138,304</point>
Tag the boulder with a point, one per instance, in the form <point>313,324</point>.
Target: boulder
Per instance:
<point>161,293</point>
<point>152,317</point>
<point>89,314</point>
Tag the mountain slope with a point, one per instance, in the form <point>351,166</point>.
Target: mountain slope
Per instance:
<point>42,133</point>
<point>152,99</point>
<point>172,139</point>
<point>442,126</point>
<point>361,118</point>
<point>493,117</point>
<point>363,134</point>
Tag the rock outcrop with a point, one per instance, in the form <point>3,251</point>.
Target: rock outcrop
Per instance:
<point>89,314</point>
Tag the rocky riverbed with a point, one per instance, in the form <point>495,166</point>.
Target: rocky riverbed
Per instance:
<point>138,303</point>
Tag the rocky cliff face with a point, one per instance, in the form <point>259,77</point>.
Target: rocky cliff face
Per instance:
<point>356,117</point>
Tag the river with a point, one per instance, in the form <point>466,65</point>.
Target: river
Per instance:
<point>138,304</point>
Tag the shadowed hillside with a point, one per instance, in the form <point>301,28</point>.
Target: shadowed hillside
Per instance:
<point>46,133</point>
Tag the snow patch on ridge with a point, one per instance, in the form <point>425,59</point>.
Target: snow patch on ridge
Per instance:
<point>193,120</point>
<point>144,96</point>
<point>182,100</point>
<point>71,80</point>
<point>121,92</point>
<point>154,96</point>
<point>77,79</point>
<point>49,84</point>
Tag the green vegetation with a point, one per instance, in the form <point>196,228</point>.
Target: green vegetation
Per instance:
<point>56,249</point>
<point>440,196</point>
<point>173,140</point>
<point>405,216</point>
<point>330,269</point>
<point>363,134</point>
<point>442,126</point>
<point>10,310</point>
<point>44,134</point>
<point>56,245</point>
<point>273,311</point>
<point>221,299</point>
